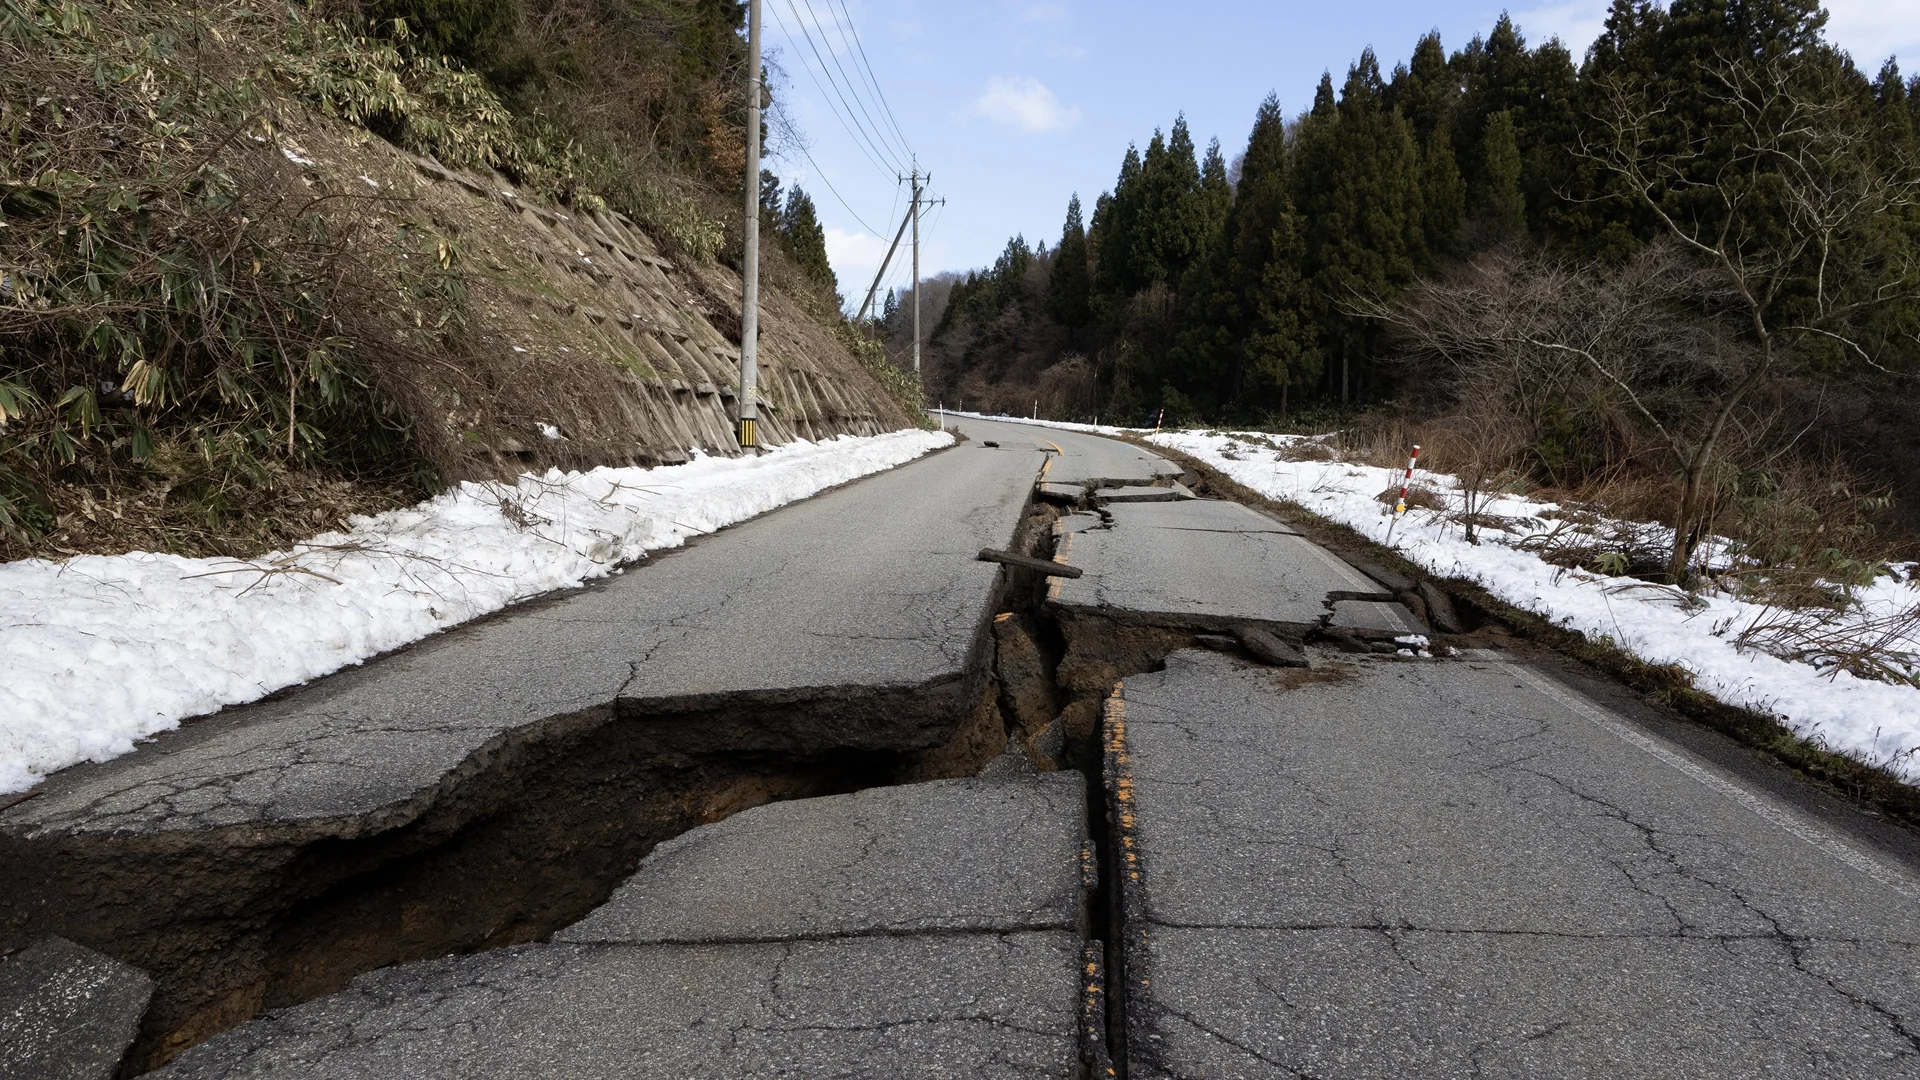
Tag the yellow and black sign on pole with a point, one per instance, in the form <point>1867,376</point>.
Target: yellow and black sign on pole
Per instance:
<point>750,269</point>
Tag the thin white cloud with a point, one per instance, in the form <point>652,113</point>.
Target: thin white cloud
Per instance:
<point>855,255</point>
<point>1576,24</point>
<point>1024,102</point>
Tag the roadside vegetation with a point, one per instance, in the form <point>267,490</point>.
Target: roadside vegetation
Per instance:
<point>201,353</point>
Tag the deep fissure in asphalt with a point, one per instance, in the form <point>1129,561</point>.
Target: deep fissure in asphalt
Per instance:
<point>539,827</point>
<point>532,832</point>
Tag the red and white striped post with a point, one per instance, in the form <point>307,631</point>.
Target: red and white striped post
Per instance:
<point>1161,415</point>
<point>1401,506</point>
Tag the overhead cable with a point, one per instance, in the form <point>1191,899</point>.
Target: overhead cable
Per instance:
<point>853,85</point>
<point>845,113</point>
<point>879,94</point>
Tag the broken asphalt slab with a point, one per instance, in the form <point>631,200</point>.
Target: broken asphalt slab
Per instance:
<point>928,929</point>
<point>546,748</point>
<point>1210,562</point>
<point>1397,867</point>
<point>1137,493</point>
<point>949,855</point>
<point>874,586</point>
<point>68,1013</point>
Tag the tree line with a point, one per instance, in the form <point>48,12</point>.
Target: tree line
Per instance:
<point>1278,281</point>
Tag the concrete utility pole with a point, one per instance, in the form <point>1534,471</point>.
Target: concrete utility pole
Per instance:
<point>915,211</point>
<point>750,269</point>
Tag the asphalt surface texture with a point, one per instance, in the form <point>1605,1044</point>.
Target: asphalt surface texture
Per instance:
<point>921,930</point>
<point>1214,559</point>
<point>872,585</point>
<point>974,854</point>
<point>67,1012</point>
<point>1392,867</point>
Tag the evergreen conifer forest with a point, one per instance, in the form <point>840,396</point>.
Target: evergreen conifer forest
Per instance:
<point>1385,256</point>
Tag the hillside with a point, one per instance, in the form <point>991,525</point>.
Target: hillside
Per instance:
<point>263,268</point>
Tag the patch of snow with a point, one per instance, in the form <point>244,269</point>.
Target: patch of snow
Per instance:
<point>370,181</point>
<point>551,432</point>
<point>294,155</point>
<point>1871,721</point>
<point>104,650</point>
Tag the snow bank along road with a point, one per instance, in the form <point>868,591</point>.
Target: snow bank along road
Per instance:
<point>1321,852</point>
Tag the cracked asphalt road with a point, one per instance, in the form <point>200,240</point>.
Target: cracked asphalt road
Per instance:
<point>1191,558</point>
<point>1452,869</point>
<point>871,586</point>
<point>1079,460</point>
<point>922,930</point>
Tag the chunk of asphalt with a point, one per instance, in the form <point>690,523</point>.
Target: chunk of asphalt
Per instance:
<point>1059,493</point>
<point>1484,875</point>
<point>1049,744</point>
<point>1217,642</point>
<point>1202,563</point>
<point>948,855</point>
<point>1270,648</point>
<point>67,1012</point>
<point>1135,493</point>
<point>1028,562</point>
<point>1382,616</point>
<point>1440,609</point>
<point>1011,763</point>
<point>996,1006</point>
<point>1346,643</point>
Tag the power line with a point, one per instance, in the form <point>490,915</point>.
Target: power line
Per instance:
<point>847,119</point>
<point>821,173</point>
<point>823,94</point>
<point>878,93</point>
<point>853,85</point>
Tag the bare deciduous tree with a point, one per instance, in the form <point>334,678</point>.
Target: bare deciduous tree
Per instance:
<point>1512,334</point>
<point>1780,189</point>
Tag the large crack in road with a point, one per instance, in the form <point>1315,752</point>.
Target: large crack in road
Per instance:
<point>1292,845</point>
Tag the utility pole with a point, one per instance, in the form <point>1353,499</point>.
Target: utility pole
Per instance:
<point>750,268</point>
<point>913,216</point>
<point>916,268</point>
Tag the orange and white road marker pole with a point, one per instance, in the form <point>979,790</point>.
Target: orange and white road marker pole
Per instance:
<point>1401,506</point>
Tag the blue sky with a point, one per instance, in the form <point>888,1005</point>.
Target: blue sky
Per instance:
<point>1013,105</point>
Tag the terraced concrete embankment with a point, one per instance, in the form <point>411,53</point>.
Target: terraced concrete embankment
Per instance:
<point>581,321</point>
<point>495,783</point>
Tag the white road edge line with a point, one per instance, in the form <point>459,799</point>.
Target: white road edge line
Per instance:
<point>1766,808</point>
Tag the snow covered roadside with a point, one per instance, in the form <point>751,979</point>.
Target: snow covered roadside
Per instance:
<point>1874,722</point>
<point>104,650</point>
